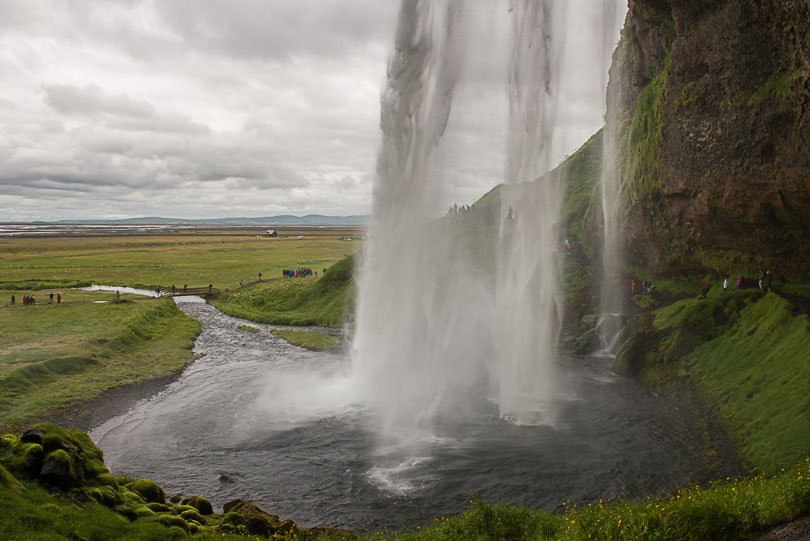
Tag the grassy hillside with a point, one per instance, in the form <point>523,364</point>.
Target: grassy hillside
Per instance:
<point>56,355</point>
<point>748,354</point>
<point>325,301</point>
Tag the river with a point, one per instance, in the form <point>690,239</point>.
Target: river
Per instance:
<point>257,418</point>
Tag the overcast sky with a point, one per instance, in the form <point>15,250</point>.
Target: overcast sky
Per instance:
<point>215,108</point>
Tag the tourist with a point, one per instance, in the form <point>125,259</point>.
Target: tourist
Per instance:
<point>185,288</point>
<point>739,282</point>
<point>725,284</point>
<point>761,281</point>
<point>58,298</point>
<point>633,284</point>
<point>768,280</point>
<point>50,298</point>
<point>705,289</point>
<point>13,300</point>
<point>117,296</point>
<point>260,277</point>
<point>157,292</point>
<point>174,290</point>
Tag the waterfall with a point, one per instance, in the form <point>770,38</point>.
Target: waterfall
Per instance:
<point>614,288</point>
<point>436,334</point>
<point>527,294</point>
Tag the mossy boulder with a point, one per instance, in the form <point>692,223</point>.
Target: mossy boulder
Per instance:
<point>27,459</point>
<point>130,498</point>
<point>106,496</point>
<point>254,519</point>
<point>192,514</point>
<point>171,520</point>
<point>7,441</point>
<point>60,457</point>
<point>160,507</point>
<point>59,469</point>
<point>199,503</point>
<point>148,490</point>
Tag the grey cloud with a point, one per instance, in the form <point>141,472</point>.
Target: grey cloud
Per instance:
<point>281,29</point>
<point>91,100</point>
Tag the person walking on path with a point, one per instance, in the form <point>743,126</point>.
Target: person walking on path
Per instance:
<point>13,300</point>
<point>705,289</point>
<point>725,284</point>
<point>50,298</point>
<point>58,298</point>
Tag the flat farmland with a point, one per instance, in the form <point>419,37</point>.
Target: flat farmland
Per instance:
<point>196,258</point>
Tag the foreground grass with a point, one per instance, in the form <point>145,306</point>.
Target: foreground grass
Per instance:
<point>325,301</point>
<point>56,355</point>
<point>314,341</point>
<point>728,510</point>
<point>197,259</point>
<point>749,355</point>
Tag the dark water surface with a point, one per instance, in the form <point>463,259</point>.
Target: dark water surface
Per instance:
<point>256,418</point>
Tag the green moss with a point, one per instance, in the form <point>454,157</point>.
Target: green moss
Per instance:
<point>774,89</point>
<point>192,514</point>
<point>642,145</point>
<point>148,490</point>
<point>202,505</point>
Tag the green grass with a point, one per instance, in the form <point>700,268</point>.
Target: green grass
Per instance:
<point>53,356</point>
<point>728,510</point>
<point>314,341</point>
<point>325,301</point>
<point>757,373</point>
<point>149,261</point>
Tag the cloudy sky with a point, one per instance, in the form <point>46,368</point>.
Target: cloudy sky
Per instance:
<point>215,108</point>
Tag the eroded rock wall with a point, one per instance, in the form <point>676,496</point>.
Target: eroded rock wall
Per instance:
<point>713,99</point>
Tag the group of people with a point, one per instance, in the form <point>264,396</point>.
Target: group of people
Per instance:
<point>764,282</point>
<point>646,287</point>
<point>300,273</point>
<point>30,299</point>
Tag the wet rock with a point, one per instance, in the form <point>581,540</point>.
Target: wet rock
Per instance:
<point>32,435</point>
<point>226,479</point>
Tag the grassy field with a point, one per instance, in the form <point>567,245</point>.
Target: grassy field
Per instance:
<point>56,355</point>
<point>220,258</point>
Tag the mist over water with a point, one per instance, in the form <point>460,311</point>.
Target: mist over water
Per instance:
<point>434,332</point>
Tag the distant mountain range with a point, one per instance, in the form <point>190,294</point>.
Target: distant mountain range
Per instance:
<point>285,219</point>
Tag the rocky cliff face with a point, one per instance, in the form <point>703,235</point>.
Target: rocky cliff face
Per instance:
<point>712,99</point>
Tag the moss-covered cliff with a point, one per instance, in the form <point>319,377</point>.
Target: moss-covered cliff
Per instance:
<point>713,101</point>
